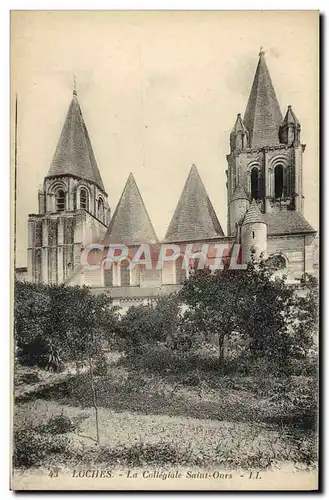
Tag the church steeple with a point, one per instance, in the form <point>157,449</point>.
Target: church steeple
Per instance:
<point>263,117</point>
<point>73,207</point>
<point>74,154</point>
<point>266,154</point>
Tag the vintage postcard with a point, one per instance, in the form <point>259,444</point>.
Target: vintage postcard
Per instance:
<point>165,170</point>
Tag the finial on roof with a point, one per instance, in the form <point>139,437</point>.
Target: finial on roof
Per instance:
<point>261,52</point>
<point>74,86</point>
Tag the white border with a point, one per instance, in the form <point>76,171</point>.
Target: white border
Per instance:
<point>5,7</point>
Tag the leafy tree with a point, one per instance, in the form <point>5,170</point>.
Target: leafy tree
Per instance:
<point>65,324</point>
<point>253,302</point>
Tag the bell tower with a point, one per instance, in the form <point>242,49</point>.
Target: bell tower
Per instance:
<point>265,159</point>
<point>73,207</point>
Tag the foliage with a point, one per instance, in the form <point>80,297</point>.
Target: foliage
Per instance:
<point>32,448</point>
<point>264,310</point>
<point>59,323</point>
<point>146,324</point>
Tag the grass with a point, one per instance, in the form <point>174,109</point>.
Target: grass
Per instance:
<point>232,422</point>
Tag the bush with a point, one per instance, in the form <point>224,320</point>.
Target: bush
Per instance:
<point>34,449</point>
<point>59,424</point>
<point>147,324</point>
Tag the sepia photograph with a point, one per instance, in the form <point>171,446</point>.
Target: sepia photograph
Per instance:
<point>165,237</point>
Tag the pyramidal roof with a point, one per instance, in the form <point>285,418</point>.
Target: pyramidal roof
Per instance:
<point>74,154</point>
<point>290,117</point>
<point>253,214</point>
<point>239,126</point>
<point>239,193</point>
<point>130,223</point>
<point>194,217</point>
<point>263,116</point>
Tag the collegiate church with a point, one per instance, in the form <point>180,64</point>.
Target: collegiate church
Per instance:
<point>265,201</point>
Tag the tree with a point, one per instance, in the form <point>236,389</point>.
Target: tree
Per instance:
<point>93,322</point>
<point>65,324</point>
<point>265,310</point>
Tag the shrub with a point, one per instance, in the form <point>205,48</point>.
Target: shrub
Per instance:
<point>59,424</point>
<point>34,449</point>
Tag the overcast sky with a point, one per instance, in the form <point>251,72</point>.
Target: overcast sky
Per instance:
<point>159,91</point>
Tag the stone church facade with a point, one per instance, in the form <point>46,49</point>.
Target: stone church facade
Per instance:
<point>264,213</point>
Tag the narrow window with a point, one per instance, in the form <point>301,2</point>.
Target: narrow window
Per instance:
<point>60,200</point>
<point>84,199</point>
<point>125,273</point>
<point>278,181</point>
<point>253,234</point>
<point>255,183</point>
<point>100,209</point>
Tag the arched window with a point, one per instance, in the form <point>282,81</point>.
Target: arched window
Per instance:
<point>84,199</point>
<point>254,183</point>
<point>180,272</point>
<point>278,181</point>
<point>100,209</point>
<point>125,273</point>
<point>60,200</point>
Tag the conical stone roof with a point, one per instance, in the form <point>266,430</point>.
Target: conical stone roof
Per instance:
<point>239,193</point>
<point>194,217</point>
<point>253,215</point>
<point>290,117</point>
<point>130,223</point>
<point>239,126</point>
<point>74,154</point>
<point>263,116</point>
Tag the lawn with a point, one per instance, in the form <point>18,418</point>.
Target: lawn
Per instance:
<point>227,421</point>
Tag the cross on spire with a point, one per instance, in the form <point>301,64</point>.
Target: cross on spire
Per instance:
<point>74,86</point>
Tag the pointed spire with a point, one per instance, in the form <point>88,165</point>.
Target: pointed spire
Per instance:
<point>194,217</point>
<point>263,116</point>
<point>290,117</point>
<point>253,214</point>
<point>74,154</point>
<point>239,126</point>
<point>239,135</point>
<point>239,193</point>
<point>131,223</point>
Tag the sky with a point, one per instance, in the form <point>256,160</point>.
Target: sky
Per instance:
<point>159,91</point>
